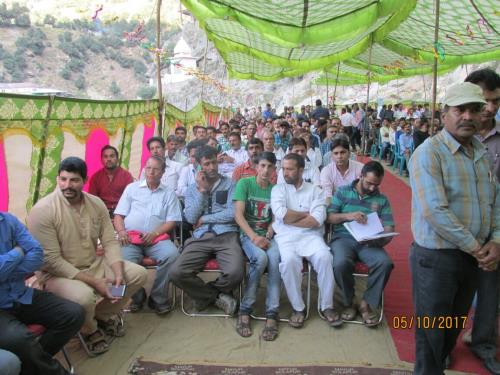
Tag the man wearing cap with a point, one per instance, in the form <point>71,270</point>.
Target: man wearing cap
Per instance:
<point>455,223</point>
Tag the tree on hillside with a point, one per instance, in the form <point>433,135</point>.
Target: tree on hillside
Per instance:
<point>115,89</point>
<point>146,92</point>
<point>80,83</point>
<point>49,20</point>
<point>22,20</point>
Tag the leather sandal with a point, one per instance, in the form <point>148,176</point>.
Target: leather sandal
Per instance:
<point>243,326</point>
<point>297,319</point>
<point>270,331</point>
<point>112,327</point>
<point>333,318</point>
<point>96,342</point>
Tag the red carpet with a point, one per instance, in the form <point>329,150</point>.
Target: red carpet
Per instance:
<point>398,294</point>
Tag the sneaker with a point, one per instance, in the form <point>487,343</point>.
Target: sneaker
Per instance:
<point>226,303</point>
<point>137,301</point>
<point>158,308</point>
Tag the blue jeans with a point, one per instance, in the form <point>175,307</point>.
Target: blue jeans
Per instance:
<point>9,363</point>
<point>165,253</point>
<point>260,259</point>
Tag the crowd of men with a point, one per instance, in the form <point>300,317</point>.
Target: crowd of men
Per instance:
<point>256,194</point>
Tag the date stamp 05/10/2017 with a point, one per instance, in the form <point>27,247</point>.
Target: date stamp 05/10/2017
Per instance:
<point>429,322</point>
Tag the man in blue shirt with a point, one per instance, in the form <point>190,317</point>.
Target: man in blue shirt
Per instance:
<point>209,207</point>
<point>20,256</point>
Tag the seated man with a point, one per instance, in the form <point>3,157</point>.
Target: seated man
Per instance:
<point>69,223</point>
<point>341,171</point>
<point>310,173</point>
<point>254,149</point>
<point>156,146</point>
<point>146,213</point>
<point>20,256</point>
<point>352,203</point>
<point>209,207</point>
<point>109,182</point>
<point>188,172</point>
<point>229,160</point>
<point>252,213</point>
<point>299,210</point>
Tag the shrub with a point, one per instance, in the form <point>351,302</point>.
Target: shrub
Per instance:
<point>65,73</point>
<point>80,83</point>
<point>146,92</point>
<point>115,89</point>
<point>76,65</point>
<point>49,20</point>
<point>22,20</point>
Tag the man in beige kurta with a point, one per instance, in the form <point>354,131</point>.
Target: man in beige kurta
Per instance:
<point>69,223</point>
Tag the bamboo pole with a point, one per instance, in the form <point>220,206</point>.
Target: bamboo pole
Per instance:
<point>326,89</point>
<point>336,82</point>
<point>158,69</point>
<point>204,70</point>
<point>435,66</point>
<point>363,139</point>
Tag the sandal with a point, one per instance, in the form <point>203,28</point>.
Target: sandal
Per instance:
<point>96,343</point>
<point>333,318</point>
<point>297,319</point>
<point>349,313</point>
<point>112,327</point>
<point>243,325</point>
<point>370,318</point>
<point>270,331</point>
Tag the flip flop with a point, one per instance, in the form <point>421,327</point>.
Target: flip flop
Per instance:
<point>297,319</point>
<point>270,332</point>
<point>243,327</point>
<point>333,318</point>
<point>349,313</point>
<point>370,318</point>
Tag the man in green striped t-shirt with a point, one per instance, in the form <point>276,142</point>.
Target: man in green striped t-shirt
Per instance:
<point>353,203</point>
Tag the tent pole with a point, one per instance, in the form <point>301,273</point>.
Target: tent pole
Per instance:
<point>204,70</point>
<point>435,66</point>
<point>158,69</point>
<point>326,89</point>
<point>363,126</point>
<point>336,82</point>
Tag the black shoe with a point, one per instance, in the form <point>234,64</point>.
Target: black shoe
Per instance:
<point>160,309</point>
<point>447,361</point>
<point>492,365</point>
<point>138,300</point>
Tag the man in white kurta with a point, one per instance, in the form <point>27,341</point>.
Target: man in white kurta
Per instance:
<point>300,210</point>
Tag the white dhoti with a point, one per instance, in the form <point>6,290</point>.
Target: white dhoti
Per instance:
<point>312,247</point>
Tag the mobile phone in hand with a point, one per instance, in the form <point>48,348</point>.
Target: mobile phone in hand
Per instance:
<point>117,291</point>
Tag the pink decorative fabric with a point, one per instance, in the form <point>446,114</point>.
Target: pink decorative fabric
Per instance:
<point>4,180</point>
<point>149,131</point>
<point>97,139</point>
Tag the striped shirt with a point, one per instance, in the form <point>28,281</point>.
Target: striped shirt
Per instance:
<point>453,203</point>
<point>347,199</point>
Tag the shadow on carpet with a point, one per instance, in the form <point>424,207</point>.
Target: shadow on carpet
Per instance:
<point>145,367</point>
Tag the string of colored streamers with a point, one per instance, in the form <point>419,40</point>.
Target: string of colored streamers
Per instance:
<point>457,41</point>
<point>203,77</point>
<point>96,13</point>
<point>438,51</point>
<point>137,34</point>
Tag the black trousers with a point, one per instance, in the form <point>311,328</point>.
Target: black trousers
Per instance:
<point>444,283</point>
<point>62,319</point>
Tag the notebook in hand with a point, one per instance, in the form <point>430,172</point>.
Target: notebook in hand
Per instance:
<point>372,230</point>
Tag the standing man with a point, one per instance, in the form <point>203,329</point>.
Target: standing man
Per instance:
<point>299,210</point>
<point>320,112</point>
<point>69,223</point>
<point>354,202</point>
<point>209,207</point>
<point>406,143</point>
<point>20,256</point>
<point>181,134</point>
<point>341,171</point>
<point>109,182</point>
<point>455,223</point>
<point>485,328</point>
<point>223,138</point>
<point>146,214</point>
<point>252,211</point>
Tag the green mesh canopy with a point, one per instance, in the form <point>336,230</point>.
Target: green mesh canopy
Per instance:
<point>269,40</point>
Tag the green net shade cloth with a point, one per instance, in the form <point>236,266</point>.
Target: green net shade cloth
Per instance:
<point>269,40</point>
